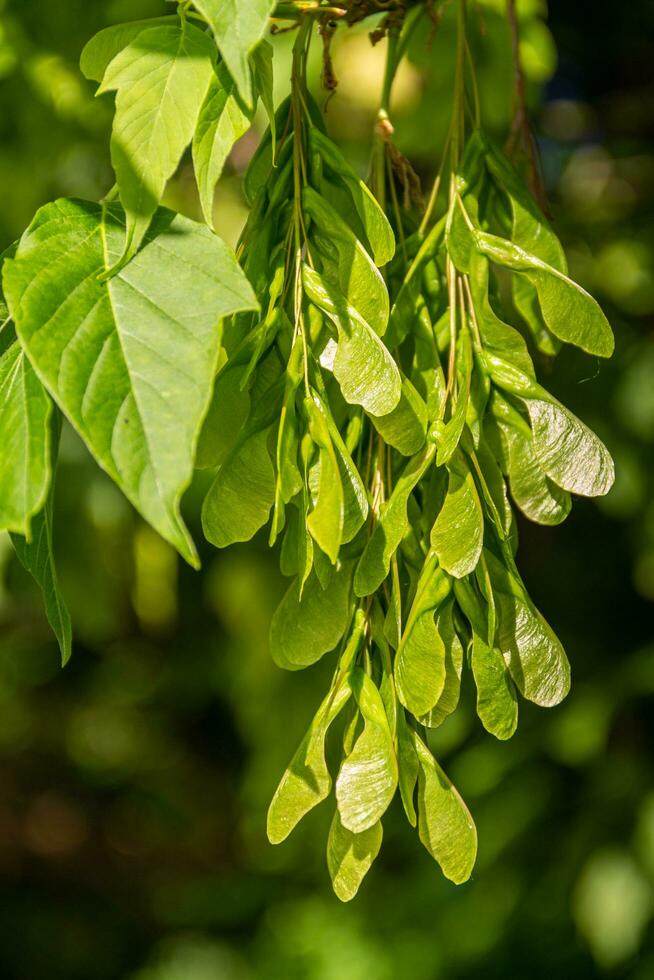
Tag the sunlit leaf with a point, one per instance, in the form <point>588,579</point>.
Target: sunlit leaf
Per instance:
<point>130,362</point>
<point>368,777</point>
<point>350,856</point>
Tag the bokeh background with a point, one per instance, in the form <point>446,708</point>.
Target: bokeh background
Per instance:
<point>134,784</point>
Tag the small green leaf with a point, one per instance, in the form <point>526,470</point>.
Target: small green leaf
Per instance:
<point>391,528</point>
<point>307,781</point>
<point>532,652</point>
<point>131,362</point>
<point>538,497</point>
<point>364,369</point>
<point>405,428</point>
<point>420,660</point>
<point>497,705</point>
<point>261,60</point>
<point>377,228</point>
<point>305,629</point>
<point>160,78</point>
<point>407,761</point>
<point>404,309</point>
<point>350,856</point>
<point>237,28</point>
<point>37,557</point>
<point>239,501</point>
<point>354,493</point>
<point>451,433</point>
<point>228,413</point>
<point>568,310</point>
<point>449,698</point>
<point>531,230</point>
<point>368,777</point>
<point>458,534</point>
<point>445,825</point>
<point>346,264</point>
<point>101,50</point>
<point>25,468</point>
<point>222,121</point>
<point>498,336</point>
<point>326,520</point>
<point>571,455</point>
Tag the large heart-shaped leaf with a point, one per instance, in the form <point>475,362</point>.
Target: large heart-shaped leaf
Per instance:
<point>130,362</point>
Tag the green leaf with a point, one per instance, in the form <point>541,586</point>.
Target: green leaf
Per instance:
<point>364,369</point>
<point>130,362</point>
<point>239,501</point>
<point>391,528</point>
<point>305,629</point>
<point>368,777</point>
<point>375,224</point>
<point>532,652</point>
<point>237,28</point>
<point>538,497</point>
<point>101,50</point>
<point>568,310</point>
<point>37,557</point>
<point>450,435</point>
<point>307,781</point>
<point>407,761</point>
<point>25,468</point>
<point>160,78</point>
<point>261,60</point>
<point>445,825</point>
<point>346,264</point>
<point>497,705</point>
<point>228,413</point>
<point>571,455</point>
<point>449,698</point>
<point>420,660</point>
<point>498,336</point>
<point>530,230</point>
<point>222,121</point>
<point>405,428</point>
<point>354,493</point>
<point>458,534</point>
<point>326,520</point>
<point>404,309</point>
<point>350,856</point>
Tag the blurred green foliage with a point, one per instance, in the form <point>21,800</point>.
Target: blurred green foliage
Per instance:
<point>134,784</point>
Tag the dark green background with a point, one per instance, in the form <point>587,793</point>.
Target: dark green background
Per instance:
<point>134,784</point>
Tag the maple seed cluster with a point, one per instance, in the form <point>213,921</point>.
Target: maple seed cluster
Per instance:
<point>352,377</point>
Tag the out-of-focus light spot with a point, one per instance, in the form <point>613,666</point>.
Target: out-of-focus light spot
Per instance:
<point>537,51</point>
<point>566,119</point>
<point>54,826</point>
<point>194,958</point>
<point>628,493</point>
<point>634,398</point>
<point>106,506</point>
<point>625,270</point>
<point>579,731</point>
<point>8,57</point>
<point>612,904</point>
<point>360,69</point>
<point>592,187</point>
<point>58,84</point>
<point>154,594</point>
<point>105,739</point>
